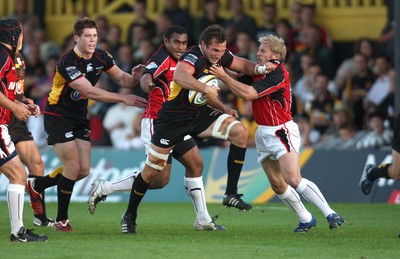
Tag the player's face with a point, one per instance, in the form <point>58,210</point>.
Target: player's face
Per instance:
<point>214,51</point>
<point>264,54</point>
<point>176,45</point>
<point>86,43</point>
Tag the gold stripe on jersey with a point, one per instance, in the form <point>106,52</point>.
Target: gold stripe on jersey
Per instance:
<point>57,87</point>
<point>175,89</point>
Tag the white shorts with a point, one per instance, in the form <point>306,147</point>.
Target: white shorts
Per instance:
<point>274,141</point>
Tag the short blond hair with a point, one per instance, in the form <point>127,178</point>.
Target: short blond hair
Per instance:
<point>276,44</point>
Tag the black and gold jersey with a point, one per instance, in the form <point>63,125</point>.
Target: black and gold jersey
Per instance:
<point>63,99</point>
<point>179,98</point>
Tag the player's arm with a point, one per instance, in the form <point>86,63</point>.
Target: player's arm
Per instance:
<point>83,86</point>
<point>146,82</point>
<point>249,67</point>
<point>20,110</point>
<point>183,76</point>
<point>216,104</point>
<point>239,89</point>
<point>124,79</point>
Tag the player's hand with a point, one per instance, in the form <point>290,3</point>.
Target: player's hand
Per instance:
<point>148,86</point>
<point>137,72</point>
<point>231,112</point>
<point>35,109</point>
<point>21,111</point>
<point>211,93</point>
<point>217,71</point>
<point>134,100</point>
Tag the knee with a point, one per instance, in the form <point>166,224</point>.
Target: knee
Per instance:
<point>293,180</point>
<point>239,135</point>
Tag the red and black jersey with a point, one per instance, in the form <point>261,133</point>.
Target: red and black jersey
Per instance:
<point>178,100</point>
<point>63,99</point>
<point>273,106</point>
<point>162,66</point>
<point>9,80</point>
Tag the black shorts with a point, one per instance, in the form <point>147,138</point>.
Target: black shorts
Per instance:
<point>396,134</point>
<point>19,130</point>
<point>182,147</point>
<point>169,131</point>
<point>61,129</point>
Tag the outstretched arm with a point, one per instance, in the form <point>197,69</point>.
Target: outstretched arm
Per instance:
<point>124,79</point>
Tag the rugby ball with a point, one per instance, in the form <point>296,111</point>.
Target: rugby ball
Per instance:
<point>198,98</point>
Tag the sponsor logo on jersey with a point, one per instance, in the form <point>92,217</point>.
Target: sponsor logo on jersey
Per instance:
<point>73,72</point>
<point>69,134</point>
<point>89,68</point>
<point>164,141</point>
<point>191,58</point>
<point>151,65</point>
<point>76,96</point>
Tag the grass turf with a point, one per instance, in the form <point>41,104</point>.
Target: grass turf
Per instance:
<point>166,231</point>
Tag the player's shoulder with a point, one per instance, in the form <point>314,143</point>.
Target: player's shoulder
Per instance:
<point>192,55</point>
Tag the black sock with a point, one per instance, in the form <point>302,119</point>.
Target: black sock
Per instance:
<point>42,217</point>
<point>235,163</point>
<point>64,193</point>
<point>46,182</point>
<point>139,188</point>
<point>378,172</point>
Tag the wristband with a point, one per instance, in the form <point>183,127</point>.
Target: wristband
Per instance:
<point>259,70</point>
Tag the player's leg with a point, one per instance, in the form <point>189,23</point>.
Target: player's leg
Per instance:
<point>189,156</point>
<point>15,172</point>
<point>226,127</point>
<point>372,172</point>
<point>30,156</point>
<point>75,159</point>
<point>157,158</point>
<point>288,195</point>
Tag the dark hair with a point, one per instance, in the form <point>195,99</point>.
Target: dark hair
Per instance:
<point>10,30</point>
<point>83,23</point>
<point>357,44</point>
<point>174,29</point>
<point>214,31</point>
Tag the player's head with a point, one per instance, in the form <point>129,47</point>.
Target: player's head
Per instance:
<point>175,40</point>
<point>85,35</point>
<point>271,47</point>
<point>11,33</point>
<point>213,42</point>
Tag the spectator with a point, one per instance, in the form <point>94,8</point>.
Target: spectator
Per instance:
<point>309,136</point>
<point>347,68</point>
<point>180,17</point>
<point>139,11</point>
<point>163,22</point>
<point>298,38</point>
<point>137,33</point>
<point>295,13</point>
<point>102,27</point>
<point>303,88</point>
<point>119,122</point>
<point>283,30</point>
<point>322,106</point>
<point>245,46</point>
<point>381,87</point>
<point>240,20</point>
<point>113,38</point>
<point>377,134</point>
<point>211,8</point>
<point>315,48</point>
<point>342,134</point>
<point>269,16</point>
<point>357,86</point>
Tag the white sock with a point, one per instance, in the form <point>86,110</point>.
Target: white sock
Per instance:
<point>120,185</point>
<point>292,200</point>
<point>311,192</point>
<point>195,189</point>
<point>15,201</point>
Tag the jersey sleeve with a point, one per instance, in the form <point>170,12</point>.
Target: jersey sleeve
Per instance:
<point>157,65</point>
<point>270,83</point>
<point>69,69</point>
<point>107,58</point>
<point>227,59</point>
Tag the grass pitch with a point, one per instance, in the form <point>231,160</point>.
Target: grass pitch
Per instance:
<point>166,231</point>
